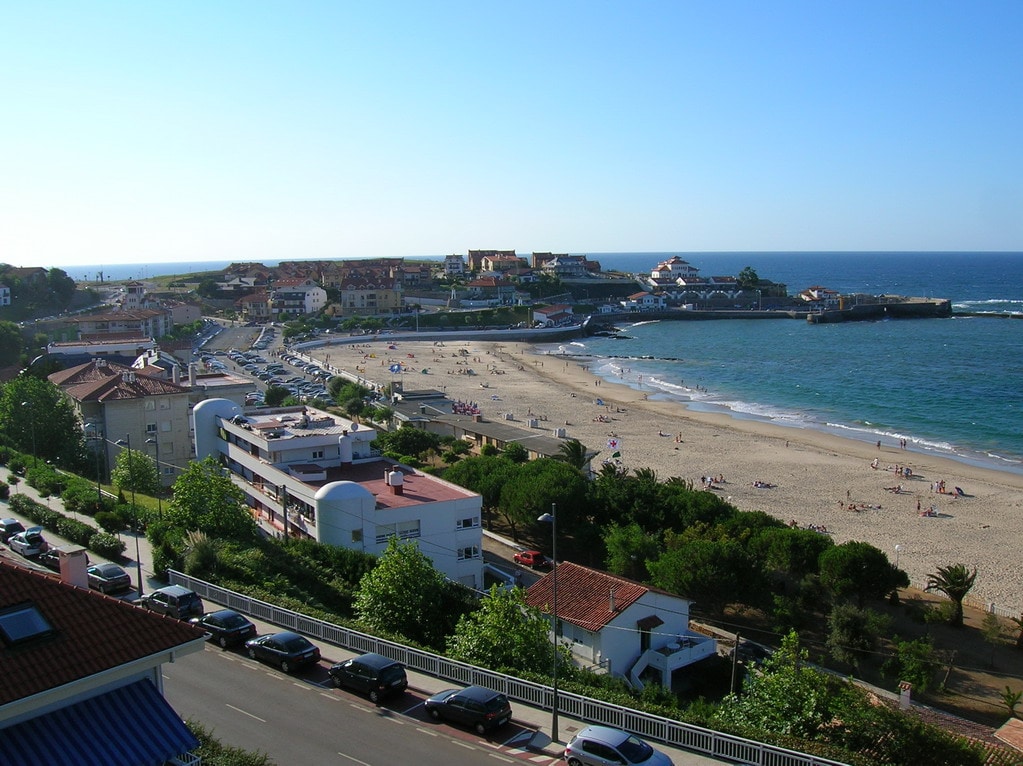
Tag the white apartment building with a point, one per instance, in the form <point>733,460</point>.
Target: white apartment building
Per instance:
<point>308,473</point>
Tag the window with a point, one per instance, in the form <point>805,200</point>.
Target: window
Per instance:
<point>23,622</point>
<point>318,454</point>
<point>468,523</point>
<point>150,428</point>
<point>403,530</point>
<point>356,535</point>
<point>469,552</point>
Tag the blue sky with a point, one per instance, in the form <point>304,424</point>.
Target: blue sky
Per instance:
<point>188,131</point>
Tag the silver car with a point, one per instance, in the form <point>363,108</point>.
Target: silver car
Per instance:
<point>604,746</point>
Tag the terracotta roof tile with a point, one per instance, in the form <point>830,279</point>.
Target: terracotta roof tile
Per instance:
<point>584,595</point>
<point>94,633</point>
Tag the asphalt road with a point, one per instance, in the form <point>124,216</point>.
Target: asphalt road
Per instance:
<point>302,719</point>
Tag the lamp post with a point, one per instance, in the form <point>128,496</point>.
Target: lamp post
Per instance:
<point>898,550</point>
<point>159,475</point>
<point>552,519</point>
<point>32,421</point>
<point>97,444</point>
<point>126,442</point>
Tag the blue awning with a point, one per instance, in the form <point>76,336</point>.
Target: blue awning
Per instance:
<point>130,726</point>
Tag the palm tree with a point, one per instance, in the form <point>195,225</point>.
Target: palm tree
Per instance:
<point>954,581</point>
<point>573,452</point>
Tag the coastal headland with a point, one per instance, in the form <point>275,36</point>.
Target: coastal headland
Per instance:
<point>847,489</point>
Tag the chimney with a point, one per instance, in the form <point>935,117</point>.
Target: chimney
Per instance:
<point>396,481</point>
<point>176,373</point>
<point>73,563</point>
<point>191,375</point>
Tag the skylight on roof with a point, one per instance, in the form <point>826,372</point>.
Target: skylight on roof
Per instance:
<point>22,623</point>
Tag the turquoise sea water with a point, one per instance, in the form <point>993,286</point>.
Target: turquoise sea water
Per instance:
<point>950,386</point>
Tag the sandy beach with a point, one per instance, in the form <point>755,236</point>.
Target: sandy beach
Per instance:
<point>809,477</point>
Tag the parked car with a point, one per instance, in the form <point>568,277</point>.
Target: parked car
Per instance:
<point>532,559</point>
<point>226,626</point>
<point>29,543</point>
<point>107,578</point>
<point>174,601</point>
<point>9,528</point>
<point>602,745</point>
<point>474,706</point>
<point>288,651</point>
<point>372,674</point>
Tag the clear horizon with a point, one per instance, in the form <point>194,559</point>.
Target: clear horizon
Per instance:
<point>192,133</point>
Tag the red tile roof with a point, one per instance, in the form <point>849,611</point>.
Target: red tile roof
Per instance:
<point>99,380</point>
<point>94,633</point>
<point>584,595</point>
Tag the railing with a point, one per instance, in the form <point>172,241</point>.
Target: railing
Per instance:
<point>666,730</point>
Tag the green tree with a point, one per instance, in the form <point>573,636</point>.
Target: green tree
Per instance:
<point>504,634</point>
<point>134,470</point>
<point>11,343</point>
<point>954,581</point>
<point>713,572</point>
<point>538,484</point>
<point>629,549</point>
<point>914,661</point>
<point>36,418</point>
<point>574,453</point>
<point>405,595</point>
<point>515,452</point>
<point>407,440</point>
<point>853,633</point>
<point>748,279</point>
<point>275,396</point>
<point>206,499</point>
<point>859,571</point>
<point>485,475</point>
<point>795,552</point>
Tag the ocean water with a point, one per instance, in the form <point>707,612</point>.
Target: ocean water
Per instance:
<point>952,387</point>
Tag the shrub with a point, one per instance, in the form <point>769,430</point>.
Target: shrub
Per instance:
<point>106,545</point>
<point>5,491</point>
<point>110,521</point>
<point>74,530</point>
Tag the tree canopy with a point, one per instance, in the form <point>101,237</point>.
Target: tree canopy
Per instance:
<point>134,470</point>
<point>36,418</point>
<point>205,499</point>
<point>954,581</point>
<point>857,570</point>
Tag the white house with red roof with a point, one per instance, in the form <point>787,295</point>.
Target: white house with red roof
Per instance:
<point>561,313</point>
<point>629,628</point>
<point>643,301</point>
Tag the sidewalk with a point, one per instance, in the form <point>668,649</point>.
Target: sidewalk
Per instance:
<point>546,751</point>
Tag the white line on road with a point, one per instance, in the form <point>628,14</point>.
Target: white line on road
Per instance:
<point>351,758</point>
<point>245,712</point>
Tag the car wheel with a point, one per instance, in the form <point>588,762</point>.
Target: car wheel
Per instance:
<point>222,641</point>
<point>285,666</point>
<point>480,728</point>
<point>434,713</point>
<point>374,696</point>
<point>574,762</point>
<point>252,654</point>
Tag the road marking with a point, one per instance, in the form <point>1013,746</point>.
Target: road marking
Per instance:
<point>409,710</point>
<point>352,758</point>
<point>426,731</point>
<point>245,712</point>
<point>466,745</point>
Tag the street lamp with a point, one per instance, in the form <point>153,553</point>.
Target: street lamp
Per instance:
<point>552,519</point>
<point>898,550</point>
<point>32,420</point>
<point>159,475</point>
<point>126,442</point>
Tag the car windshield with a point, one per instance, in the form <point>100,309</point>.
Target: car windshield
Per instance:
<point>635,750</point>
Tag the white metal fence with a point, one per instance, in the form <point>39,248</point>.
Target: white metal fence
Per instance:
<point>675,733</point>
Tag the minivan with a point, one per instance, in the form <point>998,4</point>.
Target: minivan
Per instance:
<point>174,601</point>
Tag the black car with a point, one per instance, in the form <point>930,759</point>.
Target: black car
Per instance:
<point>226,626</point>
<point>475,706</point>
<point>107,578</point>
<point>288,651</point>
<point>372,674</point>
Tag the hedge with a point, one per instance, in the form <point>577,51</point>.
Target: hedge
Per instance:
<point>106,545</point>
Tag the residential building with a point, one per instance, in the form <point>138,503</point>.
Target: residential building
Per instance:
<point>670,270</point>
<point>137,323</point>
<point>643,301</point>
<point>476,257</point>
<point>498,263</point>
<point>629,629</point>
<point>82,680</point>
<point>5,295</point>
<point>454,266</point>
<point>117,403</point>
<point>493,290</point>
<point>254,307</point>
<point>308,473</point>
<point>296,297</point>
<point>551,316</point>
<point>820,298</point>
<point>370,295</point>
<point>566,266</point>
